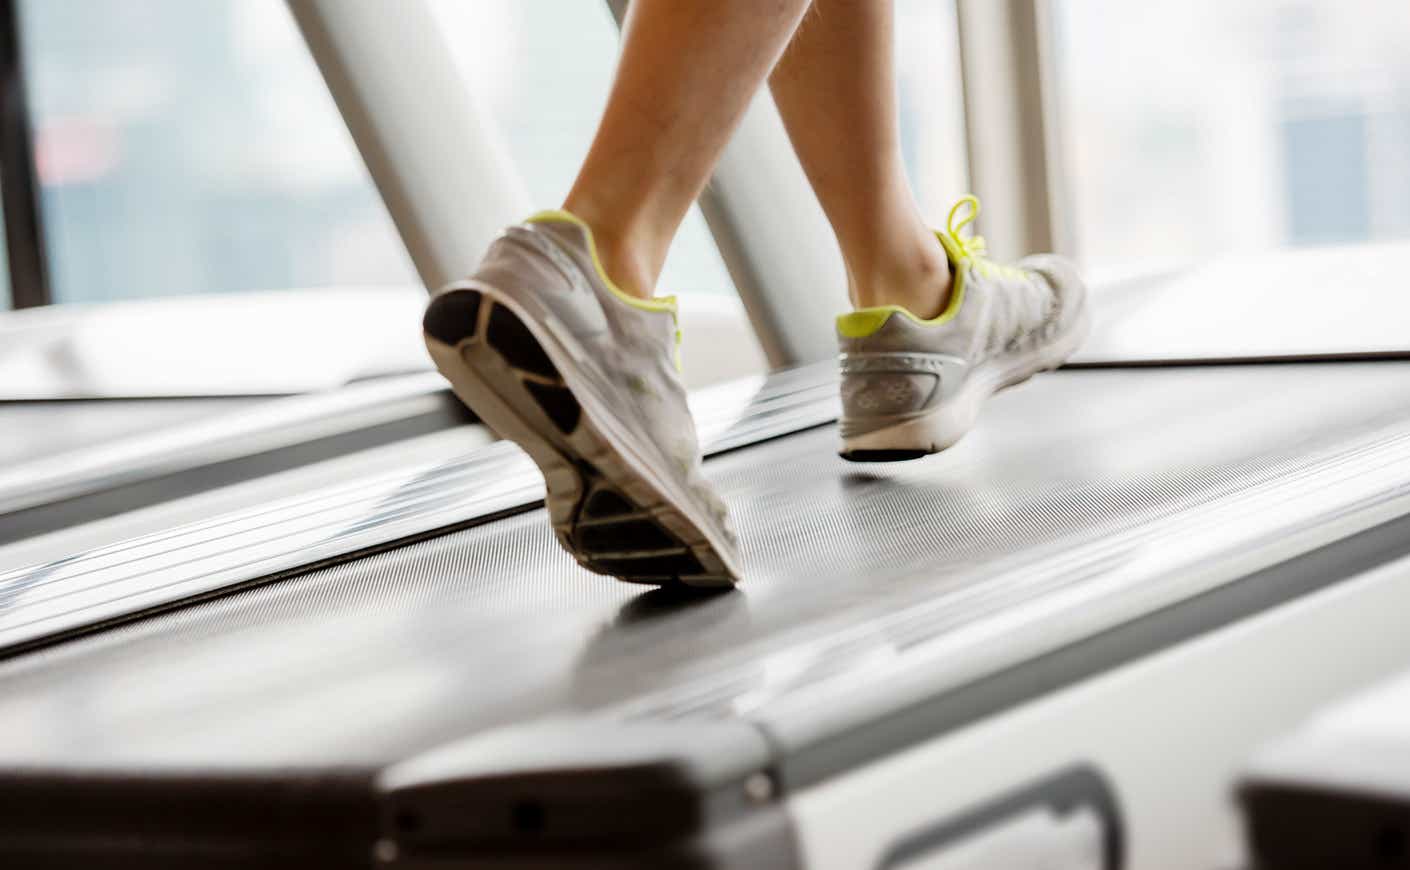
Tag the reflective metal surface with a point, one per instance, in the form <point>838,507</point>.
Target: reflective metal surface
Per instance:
<point>261,343</point>
<point>264,486</point>
<point>1083,498</point>
<point>216,438</point>
<point>253,545</point>
<point>1326,302</point>
<point>278,343</point>
<point>31,431</point>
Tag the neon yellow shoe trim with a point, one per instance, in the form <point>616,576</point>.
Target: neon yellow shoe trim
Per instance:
<point>866,321</point>
<point>962,251</point>
<point>972,250</point>
<point>657,304</point>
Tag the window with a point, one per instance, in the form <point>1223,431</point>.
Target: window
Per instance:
<point>1198,127</point>
<point>192,148</point>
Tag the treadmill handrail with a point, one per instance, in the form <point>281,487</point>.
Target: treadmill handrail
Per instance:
<point>245,432</point>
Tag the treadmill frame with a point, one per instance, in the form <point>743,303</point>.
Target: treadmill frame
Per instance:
<point>1323,544</point>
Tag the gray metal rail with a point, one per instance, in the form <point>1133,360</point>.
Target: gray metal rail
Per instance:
<point>269,426</point>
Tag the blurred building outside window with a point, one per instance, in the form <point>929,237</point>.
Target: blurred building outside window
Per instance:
<point>1193,128</point>
<point>192,148</point>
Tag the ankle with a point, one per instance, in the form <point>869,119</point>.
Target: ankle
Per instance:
<point>630,257</point>
<point>916,277</point>
<point>626,265</point>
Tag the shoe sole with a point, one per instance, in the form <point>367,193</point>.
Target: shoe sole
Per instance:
<point>607,508</point>
<point>942,427</point>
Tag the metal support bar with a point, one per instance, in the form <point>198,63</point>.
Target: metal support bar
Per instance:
<point>773,237</point>
<point>775,241</point>
<point>19,184</point>
<point>1009,103</point>
<point>435,156</point>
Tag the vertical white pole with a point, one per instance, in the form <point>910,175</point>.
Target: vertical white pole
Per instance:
<point>435,156</point>
<point>1009,122</point>
<point>775,241</point>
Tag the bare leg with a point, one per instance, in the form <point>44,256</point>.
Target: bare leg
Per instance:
<point>836,90</point>
<point>687,72</point>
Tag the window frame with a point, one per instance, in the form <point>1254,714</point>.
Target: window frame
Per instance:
<point>1009,81</point>
<point>27,257</point>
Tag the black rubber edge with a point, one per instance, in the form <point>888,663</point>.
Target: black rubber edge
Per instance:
<point>1349,356</point>
<point>882,455</point>
<point>1067,791</point>
<point>451,317</point>
<point>558,403</point>
<point>667,565</point>
<point>622,794</point>
<point>612,553</point>
<point>507,334</point>
<point>916,720</point>
<point>172,819</point>
<point>1329,795</point>
<point>1298,826</point>
<point>622,535</point>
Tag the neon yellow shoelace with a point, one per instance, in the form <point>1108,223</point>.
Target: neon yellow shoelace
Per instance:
<point>973,247</point>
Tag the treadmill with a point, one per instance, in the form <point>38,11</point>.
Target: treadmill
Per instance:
<point>406,671</point>
<point>1058,640</point>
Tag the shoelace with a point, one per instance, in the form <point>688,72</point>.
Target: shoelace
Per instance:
<point>973,246</point>
<point>1008,316</point>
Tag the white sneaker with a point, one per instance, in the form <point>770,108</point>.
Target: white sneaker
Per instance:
<point>912,387</point>
<point>550,354</point>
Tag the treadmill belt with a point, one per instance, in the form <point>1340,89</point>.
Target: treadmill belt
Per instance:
<point>1069,488</point>
<point>213,554</point>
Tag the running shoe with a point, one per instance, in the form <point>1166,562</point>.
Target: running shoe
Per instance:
<point>553,356</point>
<point>911,387</point>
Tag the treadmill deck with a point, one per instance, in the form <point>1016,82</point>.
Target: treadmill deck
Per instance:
<point>1071,488</point>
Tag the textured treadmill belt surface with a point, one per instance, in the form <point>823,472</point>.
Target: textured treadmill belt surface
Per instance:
<point>357,665</point>
<point>209,554</point>
<point>1164,315</point>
